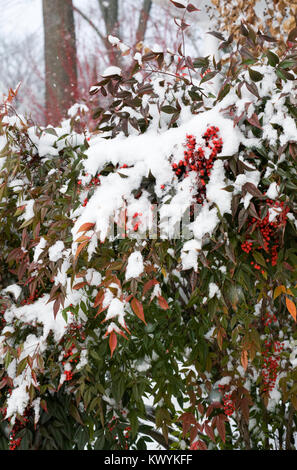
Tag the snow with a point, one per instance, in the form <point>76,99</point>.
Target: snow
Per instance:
<point>112,70</point>
<point>56,251</point>
<point>13,289</point>
<point>28,213</point>
<point>40,312</point>
<point>113,40</point>
<point>157,48</point>
<point>273,191</point>
<point>39,248</point>
<point>147,155</point>
<point>76,108</point>
<point>150,153</point>
<point>213,290</point>
<point>135,265</point>
<point>214,189</point>
<point>18,400</point>
<point>116,309</point>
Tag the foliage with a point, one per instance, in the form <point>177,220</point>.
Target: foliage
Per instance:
<point>197,348</point>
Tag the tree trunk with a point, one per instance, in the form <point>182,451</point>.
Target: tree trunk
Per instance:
<point>60,58</point>
<point>110,14</point>
<point>143,19</point>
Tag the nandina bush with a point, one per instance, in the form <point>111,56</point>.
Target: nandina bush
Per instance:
<point>119,327</point>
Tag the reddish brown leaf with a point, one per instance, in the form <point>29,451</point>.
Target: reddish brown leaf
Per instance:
<point>56,306</point>
<point>201,408</point>
<point>138,309</point>
<point>201,445</point>
<point>187,419</point>
<point>163,303</point>
<point>82,238</point>
<point>244,359</point>
<point>220,424</point>
<point>112,342</point>
<point>80,248</point>
<point>177,4</point>
<point>191,7</point>
<point>193,433</point>
<point>149,284</point>
<point>252,189</point>
<point>86,227</point>
<point>80,285</point>
<point>209,432</point>
<point>99,298</point>
<point>254,121</point>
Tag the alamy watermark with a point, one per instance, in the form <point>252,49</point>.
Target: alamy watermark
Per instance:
<point>168,221</point>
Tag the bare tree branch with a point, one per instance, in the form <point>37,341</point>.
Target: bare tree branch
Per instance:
<point>143,19</point>
<point>90,22</point>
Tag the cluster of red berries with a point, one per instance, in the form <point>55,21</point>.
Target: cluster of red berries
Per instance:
<point>246,246</point>
<point>268,319</point>
<point>17,427</point>
<point>199,159</point>
<point>268,231</point>
<point>74,331</point>
<point>29,300</point>
<point>113,424</point>
<point>68,375</point>
<point>271,363</point>
<point>229,406</point>
<point>68,358</point>
<point>95,181</point>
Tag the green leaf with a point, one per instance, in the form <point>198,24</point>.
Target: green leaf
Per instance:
<point>255,76</point>
<point>287,64</point>
<point>224,91</point>
<point>168,109</point>
<point>201,62</point>
<point>208,76</point>
<point>133,418</point>
<point>259,258</point>
<point>273,59</point>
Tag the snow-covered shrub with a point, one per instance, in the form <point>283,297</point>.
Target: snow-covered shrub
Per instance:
<point>148,269</point>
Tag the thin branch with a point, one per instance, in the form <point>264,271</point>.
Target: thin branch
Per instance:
<point>90,22</point>
<point>289,427</point>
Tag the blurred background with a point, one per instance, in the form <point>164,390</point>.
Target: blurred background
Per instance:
<point>56,49</point>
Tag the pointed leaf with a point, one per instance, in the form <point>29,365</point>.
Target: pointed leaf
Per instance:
<point>80,248</point>
<point>291,307</point>
<point>244,359</point>
<point>86,227</point>
<point>149,284</point>
<point>138,309</point>
<point>112,342</point>
<point>163,303</point>
<point>191,7</point>
<point>278,290</point>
